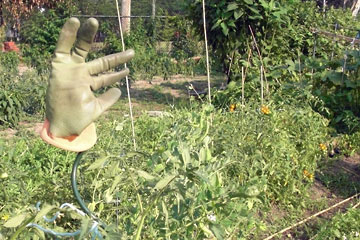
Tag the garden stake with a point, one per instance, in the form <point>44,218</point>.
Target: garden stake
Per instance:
<point>258,50</point>
<point>356,205</point>
<point>242,87</point>
<point>230,64</point>
<point>314,53</point>
<point>207,51</point>
<point>126,78</point>
<point>344,68</point>
<point>334,41</point>
<point>248,61</point>
<point>262,85</point>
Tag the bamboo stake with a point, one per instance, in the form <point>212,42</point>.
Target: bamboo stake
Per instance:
<point>126,78</point>
<point>242,87</point>
<point>258,50</point>
<point>356,205</point>
<point>207,51</point>
<point>311,217</point>
<point>229,70</point>
<point>262,85</point>
<point>248,61</point>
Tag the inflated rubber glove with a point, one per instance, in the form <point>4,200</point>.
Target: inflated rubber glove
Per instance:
<point>71,106</point>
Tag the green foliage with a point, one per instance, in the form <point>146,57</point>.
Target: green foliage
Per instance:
<point>350,143</point>
<point>39,36</point>
<point>342,226</point>
<point>10,108</point>
<point>144,7</point>
<point>149,61</point>
<point>229,23</point>
<point>202,172</point>
<point>10,100</point>
<point>337,83</point>
<point>290,52</point>
<point>20,94</point>
<point>196,174</point>
<point>9,61</point>
<point>180,186</point>
<point>283,150</point>
<point>99,7</point>
<point>32,87</point>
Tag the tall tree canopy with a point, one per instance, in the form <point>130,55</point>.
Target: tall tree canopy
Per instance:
<point>22,8</point>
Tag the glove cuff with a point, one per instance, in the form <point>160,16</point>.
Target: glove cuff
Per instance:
<point>80,143</point>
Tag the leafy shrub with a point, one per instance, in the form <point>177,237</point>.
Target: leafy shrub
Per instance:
<point>336,82</point>
<point>271,142</point>
<point>349,143</point>
<point>150,61</point>
<point>9,61</point>
<point>10,108</point>
<point>40,33</point>
<point>10,100</point>
<point>228,27</point>
<point>32,87</point>
<point>21,94</point>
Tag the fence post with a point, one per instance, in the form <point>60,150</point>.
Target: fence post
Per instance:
<point>125,13</point>
<point>153,15</point>
<point>153,9</point>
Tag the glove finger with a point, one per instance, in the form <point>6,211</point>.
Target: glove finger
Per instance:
<point>85,37</point>
<point>108,79</point>
<point>67,36</point>
<point>105,63</point>
<point>105,101</point>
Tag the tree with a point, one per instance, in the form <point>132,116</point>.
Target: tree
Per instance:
<point>96,7</point>
<point>22,8</point>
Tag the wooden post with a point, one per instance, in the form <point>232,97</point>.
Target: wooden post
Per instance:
<point>355,8</point>
<point>153,9</point>
<point>207,51</point>
<point>125,13</point>
<point>153,18</point>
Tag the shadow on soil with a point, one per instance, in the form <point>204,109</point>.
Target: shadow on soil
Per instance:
<point>342,177</point>
<point>173,92</point>
<point>155,95</point>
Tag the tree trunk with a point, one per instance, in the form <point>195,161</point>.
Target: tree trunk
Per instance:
<point>355,8</point>
<point>1,15</point>
<point>125,13</point>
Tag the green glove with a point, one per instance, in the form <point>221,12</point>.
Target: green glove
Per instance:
<point>70,103</point>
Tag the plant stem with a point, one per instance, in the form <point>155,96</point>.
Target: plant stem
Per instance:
<point>140,227</point>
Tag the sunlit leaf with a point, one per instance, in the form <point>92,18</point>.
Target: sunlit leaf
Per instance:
<point>98,163</point>
<point>232,6</point>
<point>217,231</point>
<point>164,182</point>
<point>15,221</point>
<point>145,175</point>
<point>44,210</point>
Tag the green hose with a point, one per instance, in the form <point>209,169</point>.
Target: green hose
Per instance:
<point>76,191</point>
